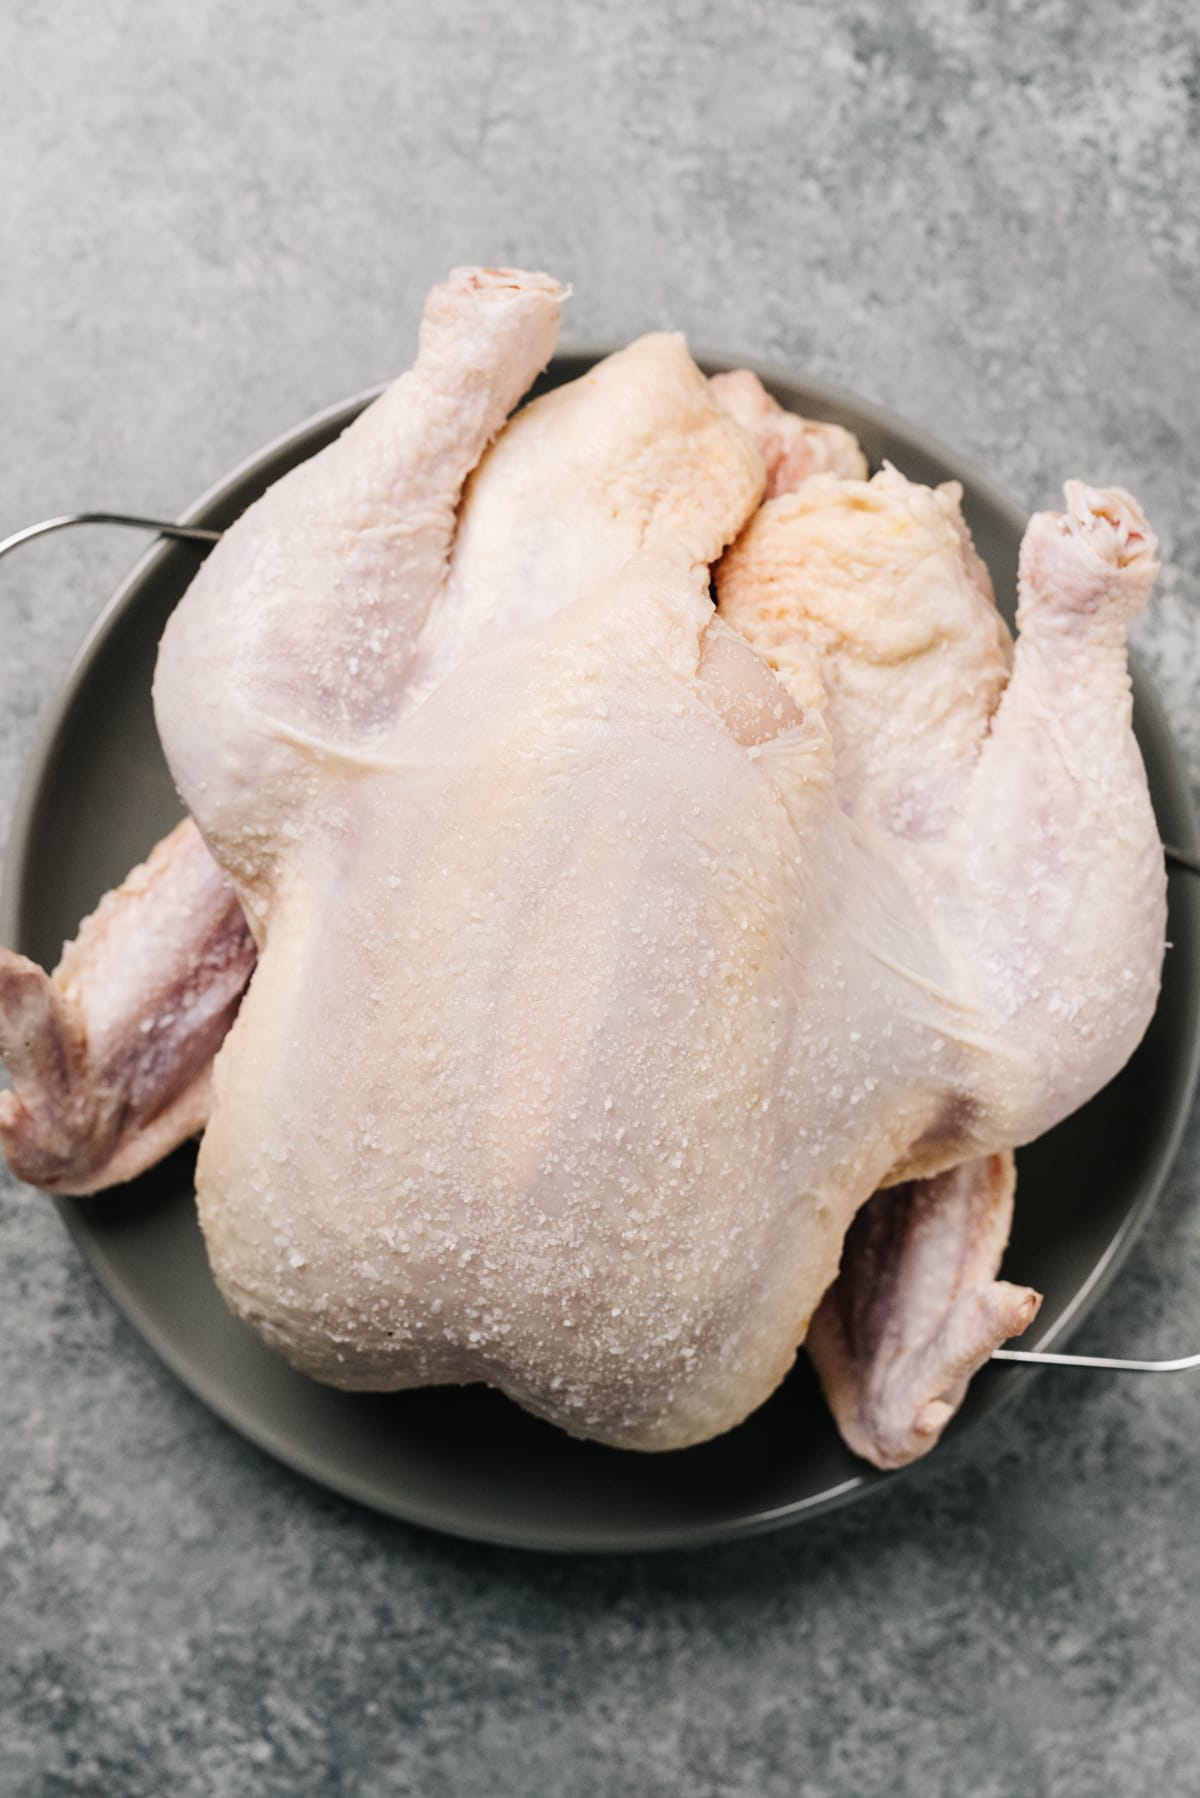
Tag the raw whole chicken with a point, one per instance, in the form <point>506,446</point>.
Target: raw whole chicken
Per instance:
<point>612,951</point>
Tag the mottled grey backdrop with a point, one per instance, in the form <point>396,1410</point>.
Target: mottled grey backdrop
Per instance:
<point>217,218</point>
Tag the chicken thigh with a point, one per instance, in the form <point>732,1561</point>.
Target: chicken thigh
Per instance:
<point>607,963</point>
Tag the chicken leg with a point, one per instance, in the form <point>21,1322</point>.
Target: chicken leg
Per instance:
<point>286,656</point>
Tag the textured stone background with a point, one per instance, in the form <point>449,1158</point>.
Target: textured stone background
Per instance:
<point>217,218</point>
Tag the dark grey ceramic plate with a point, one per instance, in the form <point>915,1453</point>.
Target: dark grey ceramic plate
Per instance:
<point>97,796</point>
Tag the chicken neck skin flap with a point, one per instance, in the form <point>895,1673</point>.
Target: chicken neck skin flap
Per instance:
<point>110,1055</point>
<point>590,1011</point>
<point>868,599</point>
<point>917,1309</point>
<point>792,448</point>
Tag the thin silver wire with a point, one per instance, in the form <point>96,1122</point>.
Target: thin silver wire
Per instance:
<point>194,533</point>
<point>1179,857</point>
<point>1043,1358</point>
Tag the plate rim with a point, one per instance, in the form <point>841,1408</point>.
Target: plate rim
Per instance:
<point>1011,1380</point>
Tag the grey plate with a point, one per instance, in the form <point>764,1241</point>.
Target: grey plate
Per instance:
<point>96,797</point>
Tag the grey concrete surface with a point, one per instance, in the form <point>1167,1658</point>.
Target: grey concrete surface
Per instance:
<point>215,218</point>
